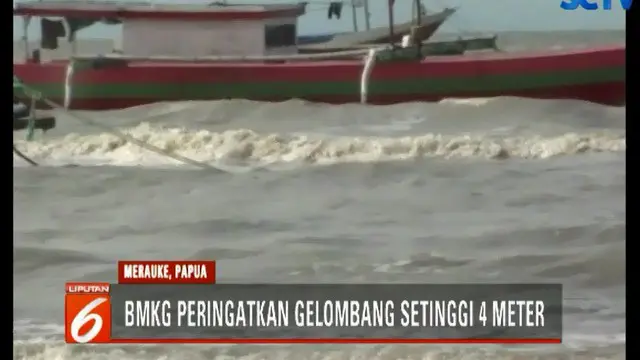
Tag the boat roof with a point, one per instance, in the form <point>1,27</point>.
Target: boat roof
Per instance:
<point>150,10</point>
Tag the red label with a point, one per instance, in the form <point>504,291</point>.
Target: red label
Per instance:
<point>167,272</point>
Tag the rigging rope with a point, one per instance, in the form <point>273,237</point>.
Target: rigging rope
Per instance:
<point>23,156</point>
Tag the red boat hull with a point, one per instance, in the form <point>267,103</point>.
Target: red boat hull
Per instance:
<point>596,75</point>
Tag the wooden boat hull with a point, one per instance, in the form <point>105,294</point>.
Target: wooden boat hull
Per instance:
<point>596,75</point>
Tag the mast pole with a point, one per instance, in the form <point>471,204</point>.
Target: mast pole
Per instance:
<point>354,16</point>
<point>367,15</point>
<point>391,32</point>
<point>25,36</point>
<point>418,21</point>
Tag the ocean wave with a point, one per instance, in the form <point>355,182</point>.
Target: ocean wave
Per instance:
<point>40,349</point>
<point>244,146</point>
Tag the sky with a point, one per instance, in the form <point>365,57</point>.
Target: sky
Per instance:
<point>473,16</point>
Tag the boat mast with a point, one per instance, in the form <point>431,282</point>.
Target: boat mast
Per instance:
<point>418,7</point>
<point>417,40</point>
<point>391,33</point>
<point>25,36</point>
<point>354,16</point>
<point>367,15</point>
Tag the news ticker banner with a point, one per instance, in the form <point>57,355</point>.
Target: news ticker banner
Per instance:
<point>179,302</point>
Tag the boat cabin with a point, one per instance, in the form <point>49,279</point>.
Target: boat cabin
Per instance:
<point>150,29</point>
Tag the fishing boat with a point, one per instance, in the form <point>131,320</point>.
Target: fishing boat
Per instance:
<point>198,52</point>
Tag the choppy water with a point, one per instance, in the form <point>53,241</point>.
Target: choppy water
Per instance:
<point>472,190</point>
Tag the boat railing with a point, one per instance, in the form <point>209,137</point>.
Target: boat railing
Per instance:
<point>368,57</point>
<point>234,58</point>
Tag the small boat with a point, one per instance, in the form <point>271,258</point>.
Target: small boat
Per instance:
<point>428,25</point>
<point>429,22</point>
<point>44,123</point>
<point>316,38</point>
<point>199,52</point>
<point>24,118</point>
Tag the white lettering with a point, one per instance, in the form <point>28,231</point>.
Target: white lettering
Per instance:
<point>518,313</point>
<point>147,313</point>
<point>248,313</point>
<point>190,271</point>
<point>147,271</point>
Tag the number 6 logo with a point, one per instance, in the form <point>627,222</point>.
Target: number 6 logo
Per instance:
<point>84,316</point>
<point>84,311</point>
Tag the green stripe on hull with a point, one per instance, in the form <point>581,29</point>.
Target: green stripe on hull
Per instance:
<point>433,86</point>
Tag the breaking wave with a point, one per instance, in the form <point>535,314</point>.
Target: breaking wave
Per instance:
<point>243,146</point>
<point>41,349</point>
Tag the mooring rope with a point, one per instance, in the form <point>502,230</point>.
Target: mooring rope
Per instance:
<point>23,156</point>
<point>116,132</point>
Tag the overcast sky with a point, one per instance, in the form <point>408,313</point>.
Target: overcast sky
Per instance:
<point>473,15</point>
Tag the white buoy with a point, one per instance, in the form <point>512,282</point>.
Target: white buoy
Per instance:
<point>68,91</point>
<point>366,73</point>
